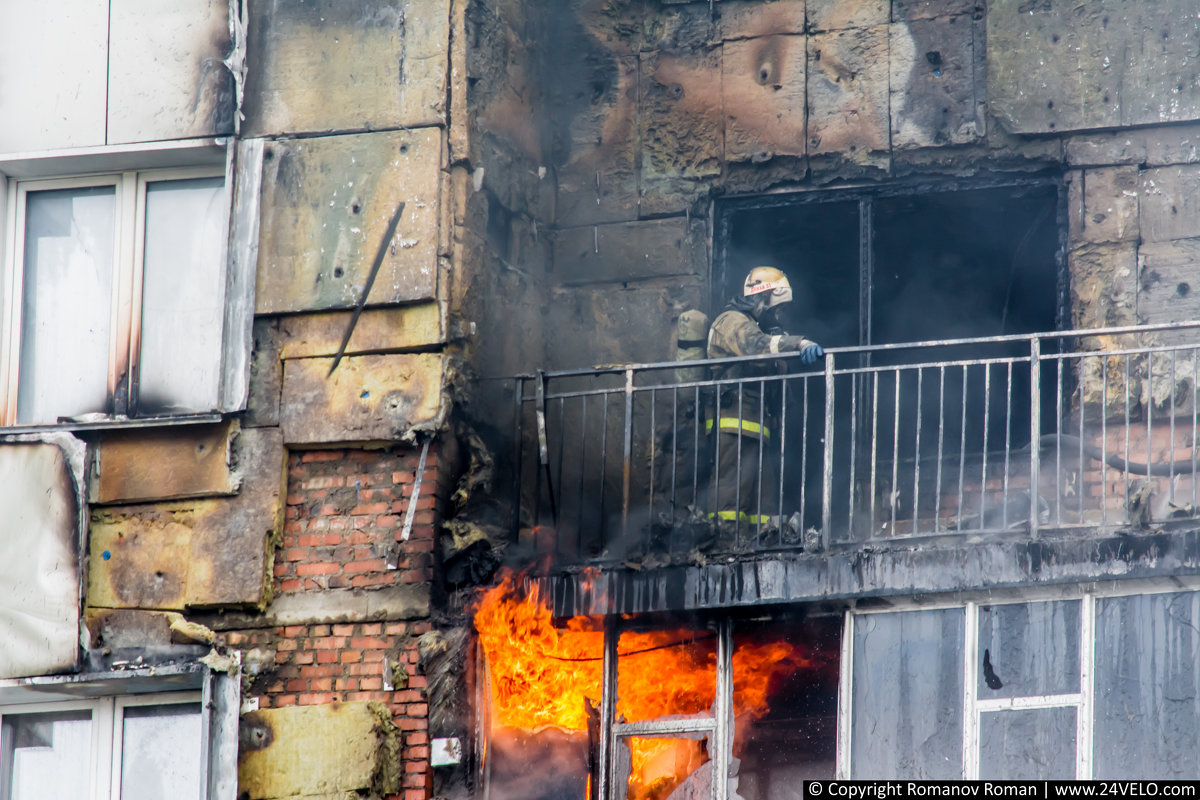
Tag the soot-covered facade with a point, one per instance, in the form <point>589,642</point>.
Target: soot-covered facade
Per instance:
<point>317,314</point>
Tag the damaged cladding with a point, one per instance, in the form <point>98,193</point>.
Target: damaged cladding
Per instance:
<point>301,300</point>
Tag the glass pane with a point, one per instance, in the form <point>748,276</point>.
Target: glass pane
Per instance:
<point>45,756</point>
<point>66,303</point>
<point>907,707</point>
<point>785,688</point>
<point>658,769</point>
<point>182,302</point>
<point>1147,686</point>
<point>1027,744</point>
<point>1028,649</point>
<point>160,752</point>
<point>666,674</point>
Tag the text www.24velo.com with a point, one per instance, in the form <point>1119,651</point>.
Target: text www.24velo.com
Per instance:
<point>885,789</point>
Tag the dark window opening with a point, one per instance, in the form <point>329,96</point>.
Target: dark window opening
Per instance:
<point>902,265</point>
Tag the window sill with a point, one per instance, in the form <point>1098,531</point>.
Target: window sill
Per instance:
<point>114,423</point>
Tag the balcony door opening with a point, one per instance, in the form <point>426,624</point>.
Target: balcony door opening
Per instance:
<point>907,264</point>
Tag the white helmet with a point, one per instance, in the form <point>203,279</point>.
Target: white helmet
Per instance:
<point>768,279</point>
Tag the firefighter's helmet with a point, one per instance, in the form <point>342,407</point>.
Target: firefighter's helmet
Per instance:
<point>770,281</point>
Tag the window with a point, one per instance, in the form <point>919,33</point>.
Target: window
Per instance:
<point>126,748</point>
<point>114,296</point>
<point>1097,687</point>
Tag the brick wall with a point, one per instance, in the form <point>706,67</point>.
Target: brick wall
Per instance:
<point>345,513</point>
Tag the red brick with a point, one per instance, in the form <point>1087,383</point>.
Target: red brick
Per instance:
<point>414,779</point>
<point>417,682</point>
<point>303,657</point>
<point>372,628</point>
<point>351,656</point>
<point>414,794</point>
<point>297,685</point>
<point>321,684</point>
<point>407,696</point>
<point>416,738</point>
<point>417,752</point>
<point>327,657</point>
<point>329,642</point>
<point>368,643</point>
<point>418,710</point>
<point>316,698</point>
<point>291,630</point>
<point>369,509</point>
<point>410,724</point>
<point>414,766</point>
<point>285,700</point>
<point>311,568</point>
<point>396,628</point>
<point>321,455</point>
<point>371,684</point>
<point>343,630</point>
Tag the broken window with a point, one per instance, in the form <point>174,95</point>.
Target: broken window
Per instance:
<point>115,289</point>
<point>124,748</point>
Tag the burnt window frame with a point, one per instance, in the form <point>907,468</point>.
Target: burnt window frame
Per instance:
<point>129,229</point>
<point>865,196</point>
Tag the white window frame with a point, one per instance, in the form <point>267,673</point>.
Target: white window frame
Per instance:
<point>108,714</point>
<point>973,707</point>
<point>129,245</point>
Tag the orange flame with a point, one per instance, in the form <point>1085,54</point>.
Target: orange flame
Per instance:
<point>542,675</point>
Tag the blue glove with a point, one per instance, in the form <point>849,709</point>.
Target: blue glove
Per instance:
<point>810,354</point>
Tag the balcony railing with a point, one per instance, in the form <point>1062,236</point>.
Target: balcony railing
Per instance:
<point>969,437</point>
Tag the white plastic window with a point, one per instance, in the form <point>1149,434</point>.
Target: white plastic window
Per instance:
<point>114,296</point>
<point>124,748</point>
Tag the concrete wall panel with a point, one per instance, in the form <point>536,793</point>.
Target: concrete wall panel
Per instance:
<point>63,104</point>
<point>166,80</point>
<point>1170,203</point>
<point>933,83</point>
<point>848,96</point>
<point>193,553</point>
<point>325,208</point>
<point>1103,205</point>
<point>164,463</point>
<point>748,19</point>
<point>314,335</point>
<point>598,181</point>
<point>312,751</point>
<point>39,560</point>
<point>763,92</point>
<point>367,398</point>
<point>680,127</point>
<point>836,15</point>
<point>1103,64</point>
<point>627,251</point>
<point>1169,283</point>
<point>346,65</point>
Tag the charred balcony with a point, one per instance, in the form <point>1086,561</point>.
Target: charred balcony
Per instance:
<point>955,442</point>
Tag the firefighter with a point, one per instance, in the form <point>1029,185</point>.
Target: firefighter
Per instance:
<point>746,492</point>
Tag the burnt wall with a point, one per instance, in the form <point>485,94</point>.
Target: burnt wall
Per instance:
<point>646,111</point>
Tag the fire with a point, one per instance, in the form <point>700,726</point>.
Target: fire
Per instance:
<point>542,675</point>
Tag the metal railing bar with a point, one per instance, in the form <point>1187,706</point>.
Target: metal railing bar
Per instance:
<point>1103,438</point>
<point>962,448</point>
<point>1127,418</point>
<point>894,497</point>
<point>874,449</point>
<point>1171,449</point>
<point>917,467</point>
<point>853,450</point>
<point>937,495</point>
<point>987,423</point>
<point>1008,415</point>
<point>616,369</point>
<point>1035,430</point>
